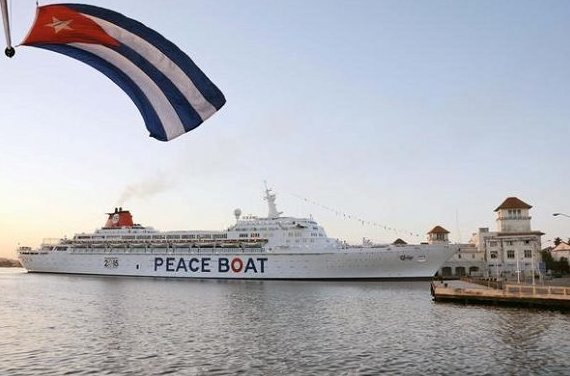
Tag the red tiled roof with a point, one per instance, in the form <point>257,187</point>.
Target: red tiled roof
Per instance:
<point>513,203</point>
<point>564,247</point>
<point>438,230</point>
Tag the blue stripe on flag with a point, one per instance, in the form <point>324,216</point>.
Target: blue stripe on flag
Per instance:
<point>202,82</point>
<point>151,119</point>
<point>188,116</point>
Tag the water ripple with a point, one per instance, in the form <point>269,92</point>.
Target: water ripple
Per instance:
<point>71,325</point>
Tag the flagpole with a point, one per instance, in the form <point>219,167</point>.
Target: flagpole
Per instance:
<point>9,51</point>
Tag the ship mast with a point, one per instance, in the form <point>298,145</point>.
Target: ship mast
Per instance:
<point>270,198</point>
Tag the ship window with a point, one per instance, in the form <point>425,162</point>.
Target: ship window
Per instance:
<point>243,235</point>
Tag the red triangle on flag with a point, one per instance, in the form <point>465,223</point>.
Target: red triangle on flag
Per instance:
<point>57,24</point>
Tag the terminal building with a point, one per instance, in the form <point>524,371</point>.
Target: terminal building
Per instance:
<point>511,252</point>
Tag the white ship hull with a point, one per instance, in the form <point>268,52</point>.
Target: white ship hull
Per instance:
<point>272,247</point>
<point>389,262</point>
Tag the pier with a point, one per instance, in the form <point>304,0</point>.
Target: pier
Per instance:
<point>466,292</point>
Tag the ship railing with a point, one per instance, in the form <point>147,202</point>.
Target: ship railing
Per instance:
<point>51,242</point>
<point>172,251</point>
<point>24,249</point>
<point>171,243</point>
<point>531,290</point>
<point>226,246</point>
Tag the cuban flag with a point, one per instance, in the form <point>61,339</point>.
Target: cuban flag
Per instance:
<point>172,94</point>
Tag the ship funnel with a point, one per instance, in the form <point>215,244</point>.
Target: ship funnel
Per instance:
<point>119,218</point>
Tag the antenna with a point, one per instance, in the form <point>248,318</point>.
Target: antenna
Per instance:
<point>457,225</point>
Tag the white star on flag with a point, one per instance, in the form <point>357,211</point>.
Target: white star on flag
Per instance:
<point>60,25</point>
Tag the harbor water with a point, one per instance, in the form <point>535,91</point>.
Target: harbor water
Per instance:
<point>79,325</point>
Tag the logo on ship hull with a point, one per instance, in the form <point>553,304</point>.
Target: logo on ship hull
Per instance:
<point>235,265</point>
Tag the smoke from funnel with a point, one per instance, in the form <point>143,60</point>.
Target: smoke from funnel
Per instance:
<point>146,188</point>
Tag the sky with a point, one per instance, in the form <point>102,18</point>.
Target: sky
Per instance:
<point>404,114</point>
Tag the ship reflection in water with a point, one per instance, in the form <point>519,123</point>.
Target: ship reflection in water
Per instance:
<point>57,324</point>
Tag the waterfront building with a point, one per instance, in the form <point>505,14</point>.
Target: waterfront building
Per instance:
<point>512,251</point>
<point>560,251</point>
<point>468,261</point>
<point>438,235</point>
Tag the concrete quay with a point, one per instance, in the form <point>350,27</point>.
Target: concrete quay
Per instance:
<point>510,294</point>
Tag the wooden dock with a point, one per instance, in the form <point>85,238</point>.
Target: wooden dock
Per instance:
<point>510,294</point>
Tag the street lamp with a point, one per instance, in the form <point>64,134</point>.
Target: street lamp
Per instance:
<point>562,214</point>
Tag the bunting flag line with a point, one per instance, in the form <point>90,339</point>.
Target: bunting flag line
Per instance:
<point>172,94</point>
<point>352,217</point>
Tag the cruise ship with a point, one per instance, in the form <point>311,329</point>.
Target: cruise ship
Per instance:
<point>273,247</point>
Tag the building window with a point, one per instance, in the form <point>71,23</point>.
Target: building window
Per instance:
<point>511,254</point>
<point>492,244</point>
<point>527,253</point>
<point>514,213</point>
<point>494,254</point>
